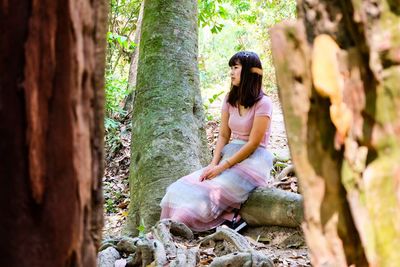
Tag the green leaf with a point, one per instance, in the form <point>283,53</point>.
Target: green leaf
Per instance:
<point>222,12</point>
<point>132,45</point>
<point>121,39</point>
<point>141,228</point>
<point>243,6</point>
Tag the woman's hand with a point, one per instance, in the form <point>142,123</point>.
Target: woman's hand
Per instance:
<point>212,171</point>
<point>206,171</point>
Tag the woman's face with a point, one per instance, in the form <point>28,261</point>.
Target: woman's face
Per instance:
<point>235,74</point>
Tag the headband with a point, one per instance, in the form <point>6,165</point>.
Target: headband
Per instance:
<point>257,71</point>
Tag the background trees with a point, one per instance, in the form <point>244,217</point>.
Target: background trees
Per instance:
<point>51,148</point>
<point>226,26</point>
<point>338,73</point>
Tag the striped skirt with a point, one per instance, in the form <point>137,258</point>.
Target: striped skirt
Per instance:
<point>206,205</point>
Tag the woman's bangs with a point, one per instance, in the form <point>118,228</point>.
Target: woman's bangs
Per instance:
<point>235,60</point>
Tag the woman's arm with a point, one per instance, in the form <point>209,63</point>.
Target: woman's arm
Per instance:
<point>223,138</point>
<point>260,125</point>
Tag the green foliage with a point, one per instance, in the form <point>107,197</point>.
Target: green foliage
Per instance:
<point>142,229</point>
<point>121,26</point>
<point>244,28</point>
<point>210,12</point>
<point>206,105</point>
<point>122,41</point>
<point>214,14</point>
<point>112,127</point>
<point>240,5</point>
<point>278,167</point>
<point>122,21</point>
<point>112,197</point>
<point>110,206</point>
<point>226,26</point>
<point>116,91</point>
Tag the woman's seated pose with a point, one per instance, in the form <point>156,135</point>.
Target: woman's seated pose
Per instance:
<point>210,196</point>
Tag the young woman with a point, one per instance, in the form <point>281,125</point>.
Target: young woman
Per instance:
<point>208,197</point>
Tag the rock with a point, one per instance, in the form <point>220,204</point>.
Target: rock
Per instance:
<point>107,257</point>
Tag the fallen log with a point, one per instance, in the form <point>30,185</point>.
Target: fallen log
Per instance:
<point>272,206</point>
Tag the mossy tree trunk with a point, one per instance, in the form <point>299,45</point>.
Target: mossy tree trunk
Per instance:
<point>168,137</point>
<point>51,133</point>
<point>338,71</point>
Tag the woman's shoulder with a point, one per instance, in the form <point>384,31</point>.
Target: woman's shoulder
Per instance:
<point>225,100</point>
<point>265,100</point>
<point>264,106</point>
<point>225,104</point>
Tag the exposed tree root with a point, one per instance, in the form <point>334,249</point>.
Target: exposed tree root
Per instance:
<point>158,248</point>
<point>242,255</point>
<point>285,172</point>
<point>185,257</point>
<point>242,259</point>
<point>160,256</point>
<point>226,234</point>
<point>144,254</point>
<point>127,245</point>
<point>164,230</point>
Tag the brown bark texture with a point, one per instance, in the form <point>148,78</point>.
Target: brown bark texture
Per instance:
<point>51,135</point>
<point>338,72</point>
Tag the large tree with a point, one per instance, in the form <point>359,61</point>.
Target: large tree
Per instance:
<point>51,133</point>
<point>338,70</point>
<point>168,136</point>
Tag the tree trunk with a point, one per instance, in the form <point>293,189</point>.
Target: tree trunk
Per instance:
<point>51,133</point>
<point>338,74</point>
<point>168,136</point>
<point>128,101</point>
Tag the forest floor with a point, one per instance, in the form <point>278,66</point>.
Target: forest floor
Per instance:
<point>285,246</point>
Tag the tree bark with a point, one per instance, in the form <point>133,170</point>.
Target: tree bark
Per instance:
<point>51,148</point>
<point>168,136</point>
<point>338,74</point>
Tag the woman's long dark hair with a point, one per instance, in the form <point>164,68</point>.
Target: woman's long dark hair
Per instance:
<point>249,90</point>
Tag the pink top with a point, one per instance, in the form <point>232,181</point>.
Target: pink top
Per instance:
<point>241,125</point>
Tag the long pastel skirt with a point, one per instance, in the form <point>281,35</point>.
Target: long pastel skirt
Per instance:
<point>207,204</point>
